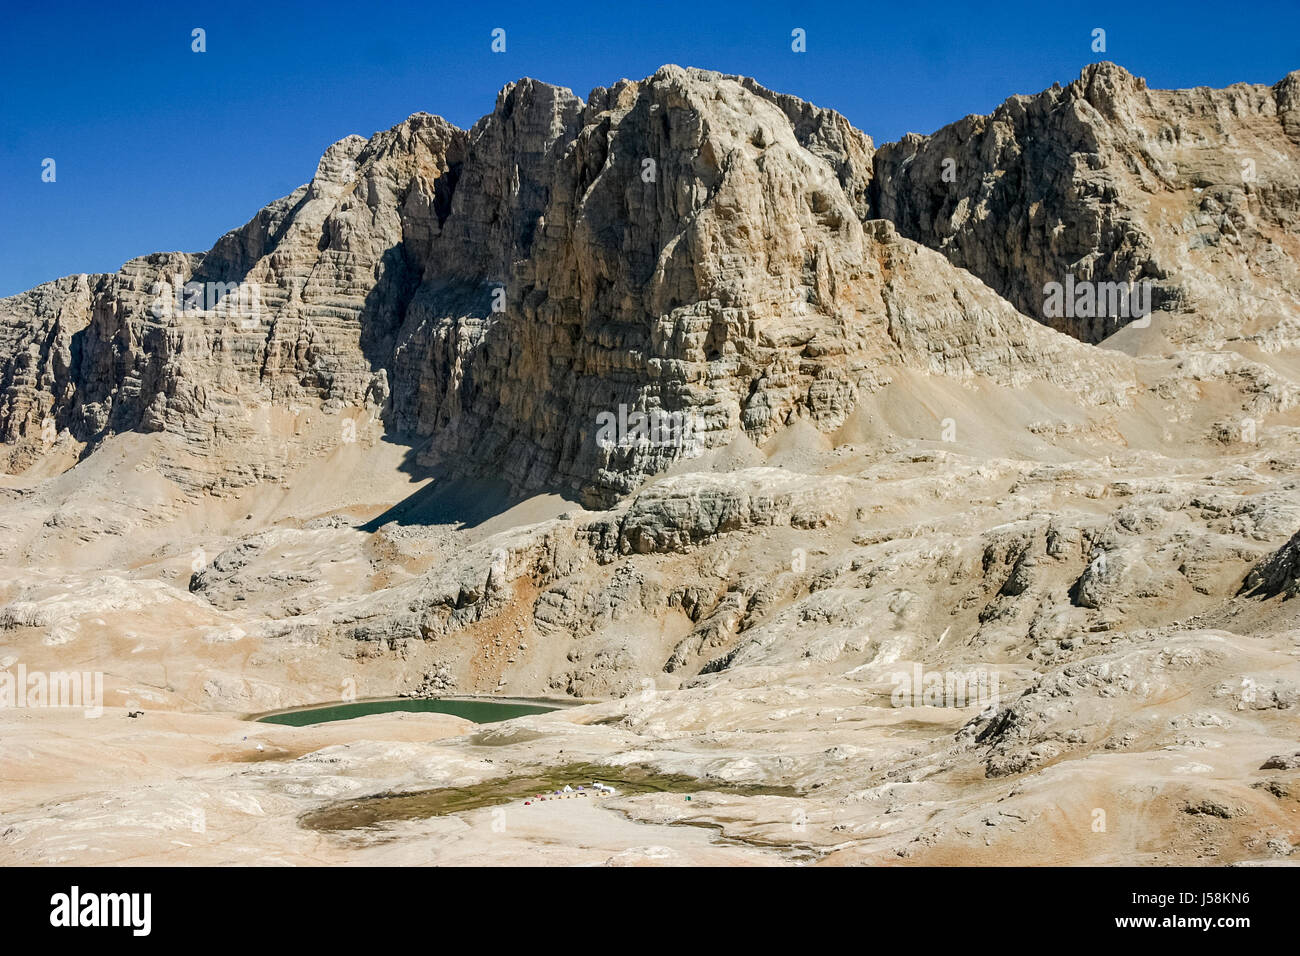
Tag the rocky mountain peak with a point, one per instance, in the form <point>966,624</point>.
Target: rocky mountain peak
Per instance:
<point>691,243</point>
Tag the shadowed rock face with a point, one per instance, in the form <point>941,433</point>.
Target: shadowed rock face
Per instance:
<point>1196,191</point>
<point>1277,574</point>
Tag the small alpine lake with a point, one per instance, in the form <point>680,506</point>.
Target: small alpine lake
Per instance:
<point>478,709</point>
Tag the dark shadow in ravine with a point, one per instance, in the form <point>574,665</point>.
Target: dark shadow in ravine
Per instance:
<point>464,500</point>
<point>419,414</point>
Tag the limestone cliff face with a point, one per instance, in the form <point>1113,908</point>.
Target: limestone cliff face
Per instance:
<point>38,331</point>
<point>652,250</point>
<point>690,243</point>
<point>1196,191</point>
<point>296,307</point>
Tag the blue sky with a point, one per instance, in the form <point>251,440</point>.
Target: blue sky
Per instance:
<point>160,148</point>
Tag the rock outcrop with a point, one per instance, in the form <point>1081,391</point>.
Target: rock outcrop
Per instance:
<point>1277,574</point>
<point>1195,191</point>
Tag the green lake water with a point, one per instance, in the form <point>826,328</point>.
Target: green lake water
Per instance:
<point>479,711</point>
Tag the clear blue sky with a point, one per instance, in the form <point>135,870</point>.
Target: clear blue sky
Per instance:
<point>159,148</point>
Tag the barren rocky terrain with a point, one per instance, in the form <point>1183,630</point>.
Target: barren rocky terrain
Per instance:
<point>384,473</point>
